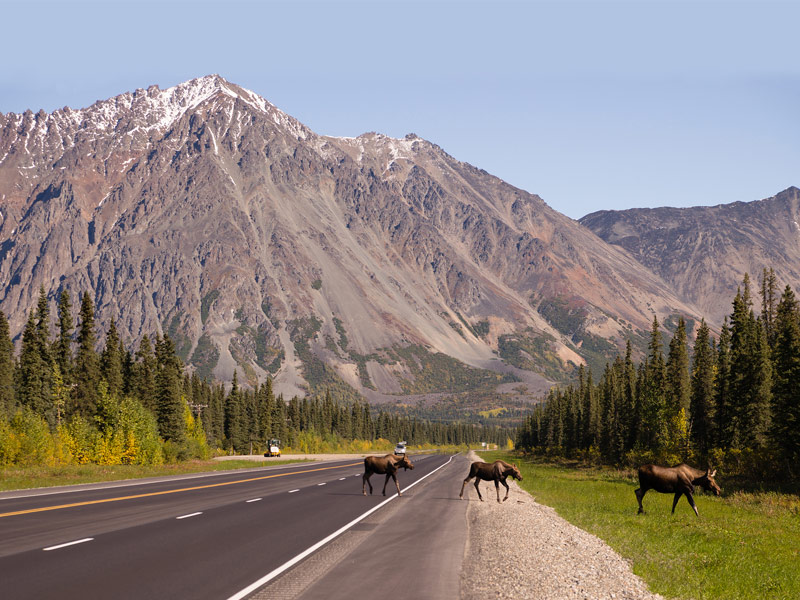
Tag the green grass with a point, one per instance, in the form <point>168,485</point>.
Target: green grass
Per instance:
<point>20,478</point>
<point>742,546</point>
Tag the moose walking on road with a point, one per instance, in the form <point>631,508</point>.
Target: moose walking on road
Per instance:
<point>384,464</point>
<point>679,480</point>
<point>497,471</point>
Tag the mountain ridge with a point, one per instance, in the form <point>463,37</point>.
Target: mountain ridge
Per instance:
<point>687,245</point>
<point>261,246</point>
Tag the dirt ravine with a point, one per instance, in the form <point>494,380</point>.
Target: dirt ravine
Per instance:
<point>523,550</point>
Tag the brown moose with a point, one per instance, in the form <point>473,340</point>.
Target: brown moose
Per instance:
<point>497,471</point>
<point>384,464</point>
<point>679,480</point>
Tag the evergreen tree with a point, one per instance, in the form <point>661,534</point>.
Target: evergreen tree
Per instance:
<point>7,364</point>
<point>758,411</point>
<point>169,404</point>
<point>741,375</point>
<point>631,411</point>
<point>786,398</point>
<point>87,364</point>
<point>750,374</point>
<point>652,391</point>
<point>144,375</point>
<point>678,386</point>
<point>677,392</point>
<point>723,421</point>
<point>34,372</point>
<point>769,299</point>
<point>233,415</point>
<point>111,361</point>
<point>62,348</point>
<point>702,392</point>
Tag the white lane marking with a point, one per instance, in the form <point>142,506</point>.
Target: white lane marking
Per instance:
<point>323,483</point>
<point>342,478</point>
<point>293,491</point>
<point>68,544</point>
<point>194,514</point>
<point>290,563</point>
<point>254,500</point>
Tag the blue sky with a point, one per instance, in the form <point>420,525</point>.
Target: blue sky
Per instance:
<point>592,105</point>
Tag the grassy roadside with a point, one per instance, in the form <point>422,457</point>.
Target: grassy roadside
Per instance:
<point>19,478</point>
<point>743,545</point>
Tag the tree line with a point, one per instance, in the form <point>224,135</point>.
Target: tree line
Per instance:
<point>62,400</point>
<point>735,404</point>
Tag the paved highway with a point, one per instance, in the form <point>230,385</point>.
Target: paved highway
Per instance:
<point>217,536</point>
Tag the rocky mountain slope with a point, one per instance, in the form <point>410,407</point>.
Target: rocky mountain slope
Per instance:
<point>366,265</point>
<point>705,251</point>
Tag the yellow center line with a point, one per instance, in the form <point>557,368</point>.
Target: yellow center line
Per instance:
<point>189,489</point>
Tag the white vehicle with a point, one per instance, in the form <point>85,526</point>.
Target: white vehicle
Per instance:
<point>400,449</point>
<point>273,448</point>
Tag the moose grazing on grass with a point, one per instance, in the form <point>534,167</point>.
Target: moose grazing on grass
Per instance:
<point>679,480</point>
<point>384,464</point>
<point>497,471</point>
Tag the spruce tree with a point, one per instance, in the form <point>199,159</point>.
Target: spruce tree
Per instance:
<point>111,361</point>
<point>169,404</point>
<point>33,383</point>
<point>702,392</point>
<point>87,364</point>
<point>7,363</point>
<point>723,415</point>
<point>62,348</point>
<point>769,299</point>
<point>741,372</point>
<point>144,375</point>
<point>631,411</point>
<point>652,391</point>
<point>786,397</point>
<point>233,416</point>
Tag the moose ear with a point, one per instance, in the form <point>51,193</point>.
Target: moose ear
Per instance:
<point>712,473</point>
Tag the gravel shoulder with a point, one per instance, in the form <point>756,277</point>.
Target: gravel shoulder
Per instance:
<point>522,549</point>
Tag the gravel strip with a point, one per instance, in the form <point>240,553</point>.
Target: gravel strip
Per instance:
<point>521,549</point>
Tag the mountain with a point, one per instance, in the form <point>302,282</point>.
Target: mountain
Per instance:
<point>368,265</point>
<point>704,252</point>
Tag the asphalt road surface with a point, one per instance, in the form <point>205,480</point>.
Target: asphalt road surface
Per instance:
<point>296,529</point>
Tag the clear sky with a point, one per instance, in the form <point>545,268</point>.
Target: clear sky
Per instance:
<point>592,105</point>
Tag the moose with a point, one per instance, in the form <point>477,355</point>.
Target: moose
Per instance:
<point>389,465</point>
<point>679,480</point>
<point>497,471</point>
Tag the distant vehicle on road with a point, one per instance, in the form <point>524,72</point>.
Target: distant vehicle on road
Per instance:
<point>273,448</point>
<point>400,449</point>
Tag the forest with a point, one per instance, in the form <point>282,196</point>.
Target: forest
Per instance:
<point>62,402</point>
<point>733,402</point>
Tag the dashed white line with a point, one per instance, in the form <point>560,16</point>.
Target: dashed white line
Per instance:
<point>287,565</point>
<point>323,483</point>
<point>194,514</point>
<point>342,478</point>
<point>293,491</point>
<point>254,500</point>
<point>68,544</point>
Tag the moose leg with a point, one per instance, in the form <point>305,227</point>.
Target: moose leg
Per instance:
<point>397,485</point>
<point>691,501</point>
<point>503,481</point>
<point>461,495</point>
<point>497,489</point>
<point>385,481</point>
<point>675,500</point>
<point>478,487</point>
<point>639,496</point>
<point>364,482</point>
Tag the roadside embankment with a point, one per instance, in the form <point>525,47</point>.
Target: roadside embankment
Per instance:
<point>521,549</point>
